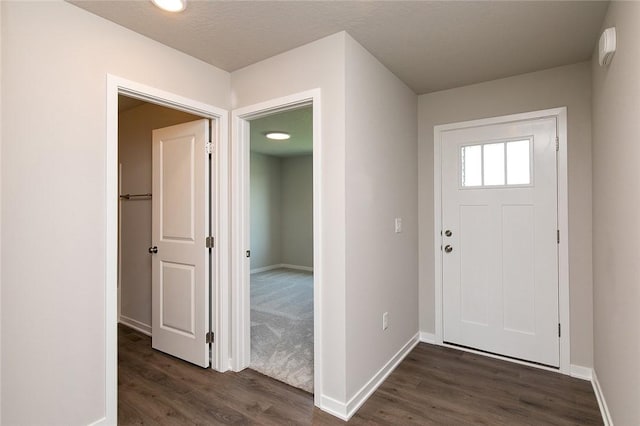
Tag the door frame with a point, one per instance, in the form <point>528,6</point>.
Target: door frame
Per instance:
<point>219,182</point>
<point>241,323</point>
<point>560,114</point>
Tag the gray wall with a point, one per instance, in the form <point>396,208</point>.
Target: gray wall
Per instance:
<point>381,184</point>
<point>367,269</point>
<point>281,210</point>
<point>616,217</point>
<point>134,155</point>
<point>297,210</point>
<point>568,86</point>
<point>266,211</point>
<point>317,65</point>
<point>56,58</point>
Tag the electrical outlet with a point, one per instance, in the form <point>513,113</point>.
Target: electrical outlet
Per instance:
<point>385,321</point>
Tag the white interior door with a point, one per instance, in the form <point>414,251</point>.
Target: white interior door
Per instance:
<point>180,224</point>
<point>499,240</point>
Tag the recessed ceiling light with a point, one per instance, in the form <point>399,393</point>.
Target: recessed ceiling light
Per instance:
<point>278,136</point>
<point>171,5</point>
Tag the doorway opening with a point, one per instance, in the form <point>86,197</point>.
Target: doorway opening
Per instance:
<point>163,278</point>
<point>136,121</point>
<point>206,196</point>
<point>281,238</point>
<point>500,196</point>
<point>278,306</point>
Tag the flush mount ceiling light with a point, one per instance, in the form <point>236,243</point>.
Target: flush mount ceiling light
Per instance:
<point>171,5</point>
<point>278,136</point>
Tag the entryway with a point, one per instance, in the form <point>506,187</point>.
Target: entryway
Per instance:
<point>164,168</point>
<point>276,294</point>
<point>169,218</point>
<point>281,221</point>
<point>499,209</point>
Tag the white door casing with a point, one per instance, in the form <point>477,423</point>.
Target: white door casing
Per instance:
<point>180,224</point>
<point>241,344</point>
<point>500,263</point>
<point>219,225</point>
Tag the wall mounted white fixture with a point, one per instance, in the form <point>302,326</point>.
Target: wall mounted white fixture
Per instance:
<point>607,46</point>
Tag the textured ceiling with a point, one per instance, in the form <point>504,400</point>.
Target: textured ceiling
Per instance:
<point>298,123</point>
<point>430,45</point>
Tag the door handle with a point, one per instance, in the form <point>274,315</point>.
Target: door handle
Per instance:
<point>448,248</point>
<point>153,250</point>
<point>448,233</point>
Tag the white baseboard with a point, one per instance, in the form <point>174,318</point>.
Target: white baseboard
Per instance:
<point>334,407</point>
<point>602,403</point>
<point>370,387</point>
<point>427,337</point>
<point>282,265</point>
<point>297,267</point>
<point>346,411</point>
<point>580,372</point>
<point>264,269</point>
<point>102,421</point>
<point>135,324</point>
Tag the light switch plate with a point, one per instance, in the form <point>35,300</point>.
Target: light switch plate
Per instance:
<point>398,225</point>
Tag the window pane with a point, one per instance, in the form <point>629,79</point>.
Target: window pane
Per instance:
<point>518,164</point>
<point>494,164</point>
<point>471,165</point>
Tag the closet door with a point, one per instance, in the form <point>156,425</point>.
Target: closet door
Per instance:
<point>180,224</point>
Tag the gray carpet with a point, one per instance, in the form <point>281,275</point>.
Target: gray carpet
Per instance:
<point>282,326</point>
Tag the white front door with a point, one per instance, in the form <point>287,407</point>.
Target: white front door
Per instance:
<point>180,224</point>
<point>499,239</point>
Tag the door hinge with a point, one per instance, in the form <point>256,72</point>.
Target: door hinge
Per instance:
<point>559,330</point>
<point>210,242</point>
<point>210,337</point>
<point>557,143</point>
<point>558,236</point>
<point>209,148</point>
<point>247,253</point>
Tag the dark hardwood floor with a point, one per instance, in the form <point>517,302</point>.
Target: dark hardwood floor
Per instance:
<point>432,386</point>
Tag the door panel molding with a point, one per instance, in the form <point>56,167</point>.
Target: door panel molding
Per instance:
<point>560,114</point>
<point>181,302</point>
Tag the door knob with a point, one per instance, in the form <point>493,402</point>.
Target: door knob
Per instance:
<point>448,233</point>
<point>448,248</point>
<point>153,250</point>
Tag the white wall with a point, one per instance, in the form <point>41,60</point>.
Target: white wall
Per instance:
<point>616,217</point>
<point>297,210</point>
<point>564,86</point>
<point>55,61</point>
<point>266,210</point>
<point>318,65</point>
<point>381,184</point>
<point>134,154</point>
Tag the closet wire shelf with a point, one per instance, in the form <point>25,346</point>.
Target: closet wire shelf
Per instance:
<point>135,196</point>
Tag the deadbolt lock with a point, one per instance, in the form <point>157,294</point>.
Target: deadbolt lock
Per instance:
<point>448,233</point>
<point>448,248</point>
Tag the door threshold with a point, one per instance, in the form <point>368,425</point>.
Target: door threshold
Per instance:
<point>502,357</point>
